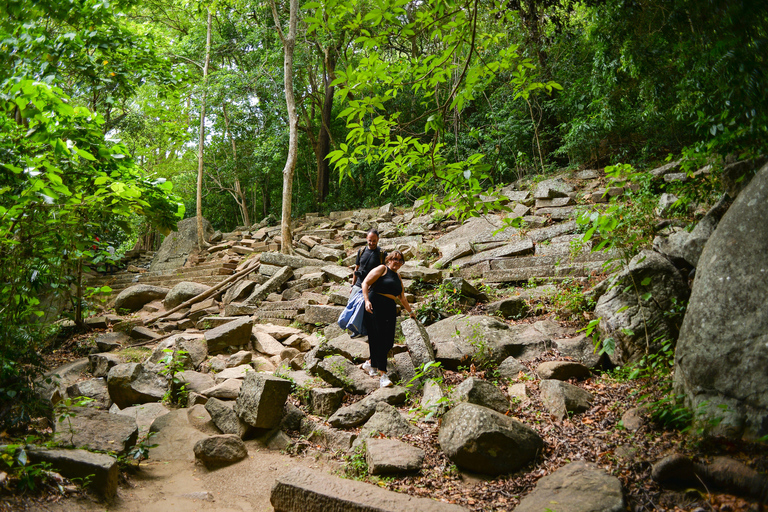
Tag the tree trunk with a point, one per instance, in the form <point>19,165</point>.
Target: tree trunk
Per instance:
<point>201,243</point>
<point>324,137</point>
<point>240,198</point>
<point>289,44</point>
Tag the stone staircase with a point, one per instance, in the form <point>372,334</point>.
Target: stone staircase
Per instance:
<point>209,273</point>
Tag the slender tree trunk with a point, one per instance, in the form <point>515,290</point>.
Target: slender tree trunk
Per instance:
<point>324,137</point>
<point>289,44</point>
<point>241,200</point>
<point>201,243</point>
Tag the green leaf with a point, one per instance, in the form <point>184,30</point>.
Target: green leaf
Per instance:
<point>84,154</point>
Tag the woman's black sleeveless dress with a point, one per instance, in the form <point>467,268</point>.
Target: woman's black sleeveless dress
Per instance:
<point>381,323</point>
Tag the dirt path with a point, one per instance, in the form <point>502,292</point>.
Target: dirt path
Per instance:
<point>183,486</point>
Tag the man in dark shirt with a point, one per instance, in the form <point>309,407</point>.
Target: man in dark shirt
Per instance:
<point>367,259</point>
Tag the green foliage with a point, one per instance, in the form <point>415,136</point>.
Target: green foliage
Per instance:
<point>355,465</point>
<point>24,476</point>
<point>627,225</point>
<point>174,363</point>
<point>139,452</point>
<point>442,302</point>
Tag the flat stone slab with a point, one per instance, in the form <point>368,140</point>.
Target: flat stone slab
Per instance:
<point>575,487</point>
<point>101,468</point>
<point>390,456</point>
<point>307,490</point>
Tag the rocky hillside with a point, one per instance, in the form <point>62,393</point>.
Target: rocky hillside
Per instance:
<point>245,339</point>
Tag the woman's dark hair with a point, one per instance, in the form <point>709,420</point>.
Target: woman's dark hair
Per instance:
<point>373,232</point>
<point>395,255</point>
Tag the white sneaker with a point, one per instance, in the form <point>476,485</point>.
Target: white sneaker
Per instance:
<point>366,366</point>
<point>384,381</point>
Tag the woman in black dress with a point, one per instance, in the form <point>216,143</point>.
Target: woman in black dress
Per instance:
<point>381,288</point>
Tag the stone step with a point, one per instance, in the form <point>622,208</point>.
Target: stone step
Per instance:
<point>168,283</point>
<point>557,272</point>
<point>189,272</point>
<point>548,260</point>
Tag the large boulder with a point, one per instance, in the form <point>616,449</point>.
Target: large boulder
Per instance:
<point>481,392</point>
<point>561,398</point>
<point>387,456</point>
<point>418,343</point>
<point>101,469</point>
<point>485,441</point>
<point>576,487</point>
<point>262,399</point>
<point>340,372</point>
<point>236,333</point>
<point>178,245</point>
<point>92,429</point>
<point>357,413</point>
<point>135,297</point>
<point>722,351</point>
<point>460,339</point>
<point>182,292</point>
<point>217,451</point>
<point>634,311</point>
<point>131,383</point>
<point>387,421</point>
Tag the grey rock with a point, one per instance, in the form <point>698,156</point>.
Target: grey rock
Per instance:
<point>432,399</point>
<point>266,344</point>
<point>101,469</point>
<point>389,456</point>
<point>224,417</point>
<point>418,342</point>
<point>582,349</point>
<point>135,297</point>
<point>109,341</point>
<point>556,187</point>
<point>317,314</point>
<point>576,487</point>
<point>474,230</point>
<point>237,372</point>
<point>262,399</point>
<point>93,429</point>
<point>515,247</point>
<point>387,421</point>
<point>406,373</point>
<point>352,349</point>
<point>226,390</point>
<point>131,383</point>
<point>359,412</point>
<point>272,285</point>
<point>510,368</point>
<point>239,358</point>
<point>694,243</point>
<point>144,415</point>
<point>425,274</point>
<point>325,401</point>
<point>182,292</point>
<point>236,333</point>
<point>238,292</point>
<point>178,245</point>
<point>217,451</point>
<point>286,260</point>
<point>321,252</point>
<point>315,491</point>
<point>95,389</point>
<point>483,339</point>
<point>736,177</point>
<point>634,418</point>
<point>722,351</point>
<point>326,436</point>
<point>561,398</point>
<point>464,288</point>
<point>636,324</point>
<point>337,273</point>
<point>562,370</point>
<point>140,332</point>
<point>481,392</point>
<point>666,201</point>
<point>340,372</point>
<point>511,307</point>
<point>478,439</point>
